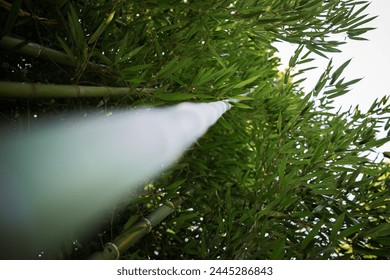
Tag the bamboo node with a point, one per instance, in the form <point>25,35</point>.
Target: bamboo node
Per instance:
<point>110,248</point>
<point>148,224</point>
<point>170,204</point>
<point>40,48</point>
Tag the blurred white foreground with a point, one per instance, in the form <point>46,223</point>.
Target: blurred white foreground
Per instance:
<point>62,178</point>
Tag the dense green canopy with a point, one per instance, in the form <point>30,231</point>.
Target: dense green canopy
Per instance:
<point>280,176</point>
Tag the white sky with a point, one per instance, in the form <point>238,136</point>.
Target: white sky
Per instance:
<point>370,61</point>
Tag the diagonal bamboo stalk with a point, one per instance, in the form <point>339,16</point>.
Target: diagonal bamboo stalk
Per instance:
<point>39,51</point>
<point>31,90</point>
<point>113,250</point>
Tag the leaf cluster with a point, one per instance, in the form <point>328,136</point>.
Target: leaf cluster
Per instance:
<point>279,176</point>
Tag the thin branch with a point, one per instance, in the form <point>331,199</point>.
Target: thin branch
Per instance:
<point>22,13</point>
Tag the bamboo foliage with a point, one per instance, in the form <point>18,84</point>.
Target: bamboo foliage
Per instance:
<point>281,176</point>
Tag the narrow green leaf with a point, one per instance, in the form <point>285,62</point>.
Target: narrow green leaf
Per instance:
<point>354,175</point>
<point>76,29</point>
<point>320,150</point>
<point>268,20</point>
<point>216,55</point>
<point>351,82</point>
<point>130,222</point>
<point>67,50</point>
<point>337,226</point>
<point>95,36</point>
<point>351,230</point>
<point>11,19</point>
<point>338,72</point>
<point>136,68</point>
<point>320,84</point>
<point>294,58</point>
<point>122,47</point>
<point>358,38</point>
<point>242,106</point>
<point>313,233</point>
<point>358,32</point>
<point>168,66</point>
<point>246,82</point>
<point>339,92</point>
<point>314,49</point>
<point>102,57</point>
<point>129,55</point>
<point>242,97</point>
<point>353,28</point>
<point>204,76</point>
<point>282,169</point>
<point>175,96</point>
<point>279,123</point>
<point>175,185</point>
<point>378,231</point>
<point>184,217</point>
<point>384,240</point>
<point>278,251</point>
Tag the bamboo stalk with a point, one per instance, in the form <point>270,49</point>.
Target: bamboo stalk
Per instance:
<point>31,90</point>
<point>39,51</point>
<point>113,250</point>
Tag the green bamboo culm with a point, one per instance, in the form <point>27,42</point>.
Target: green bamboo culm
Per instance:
<point>113,250</point>
<point>32,90</point>
<point>38,51</point>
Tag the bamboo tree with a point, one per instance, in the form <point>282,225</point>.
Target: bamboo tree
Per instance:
<point>281,176</point>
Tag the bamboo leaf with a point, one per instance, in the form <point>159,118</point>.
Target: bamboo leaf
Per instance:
<point>67,50</point>
<point>337,226</point>
<point>278,251</point>
<point>95,36</point>
<point>378,231</point>
<point>129,55</point>
<point>122,48</point>
<point>351,230</point>
<point>312,234</point>
<point>282,169</point>
<point>314,49</point>
<point>216,55</point>
<point>294,58</point>
<point>184,217</point>
<point>76,29</point>
<point>176,184</point>
<point>11,19</point>
<point>320,150</point>
<point>130,222</point>
<point>279,123</point>
<point>242,106</point>
<point>247,81</point>
<point>338,72</point>
<point>136,68</point>
<point>175,96</point>
<point>243,98</point>
<point>338,92</point>
<point>168,68</point>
